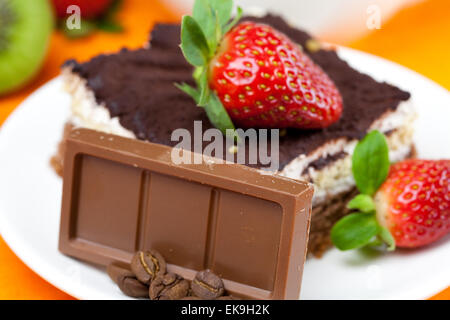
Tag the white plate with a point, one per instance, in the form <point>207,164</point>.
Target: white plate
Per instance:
<point>30,196</point>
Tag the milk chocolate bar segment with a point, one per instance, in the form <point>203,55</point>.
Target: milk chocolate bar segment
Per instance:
<point>123,195</point>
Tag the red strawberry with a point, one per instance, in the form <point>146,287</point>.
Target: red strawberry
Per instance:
<point>89,8</point>
<point>253,75</point>
<point>414,202</point>
<point>265,80</point>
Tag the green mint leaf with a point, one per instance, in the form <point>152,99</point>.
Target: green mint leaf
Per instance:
<point>193,42</point>
<point>219,28</point>
<point>370,164</point>
<point>236,19</point>
<point>218,32</point>
<point>387,237</point>
<point>362,202</point>
<point>109,26</point>
<point>223,9</point>
<point>197,73</point>
<point>189,90</point>
<point>204,88</point>
<point>375,243</point>
<point>204,14</point>
<point>217,114</point>
<point>354,231</point>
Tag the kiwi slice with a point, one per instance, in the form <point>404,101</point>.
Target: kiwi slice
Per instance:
<point>25,30</point>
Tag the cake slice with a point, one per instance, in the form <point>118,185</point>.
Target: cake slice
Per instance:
<point>132,94</point>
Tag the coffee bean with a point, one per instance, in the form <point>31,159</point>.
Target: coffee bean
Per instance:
<point>168,287</point>
<point>207,285</point>
<point>132,287</point>
<point>147,265</point>
<point>116,270</point>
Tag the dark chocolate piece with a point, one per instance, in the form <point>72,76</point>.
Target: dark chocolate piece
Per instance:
<point>123,195</point>
<point>137,86</point>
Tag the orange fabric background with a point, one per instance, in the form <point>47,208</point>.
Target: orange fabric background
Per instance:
<point>417,37</point>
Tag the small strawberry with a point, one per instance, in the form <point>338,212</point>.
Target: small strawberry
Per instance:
<point>89,8</point>
<point>412,200</point>
<point>253,74</point>
<point>265,80</point>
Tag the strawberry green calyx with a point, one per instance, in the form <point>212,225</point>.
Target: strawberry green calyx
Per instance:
<point>201,35</point>
<point>370,167</point>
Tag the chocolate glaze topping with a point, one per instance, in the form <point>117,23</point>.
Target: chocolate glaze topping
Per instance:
<point>137,86</point>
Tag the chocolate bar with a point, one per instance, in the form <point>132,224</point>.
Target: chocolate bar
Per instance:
<point>122,195</point>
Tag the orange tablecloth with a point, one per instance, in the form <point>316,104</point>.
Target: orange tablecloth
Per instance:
<point>417,37</point>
